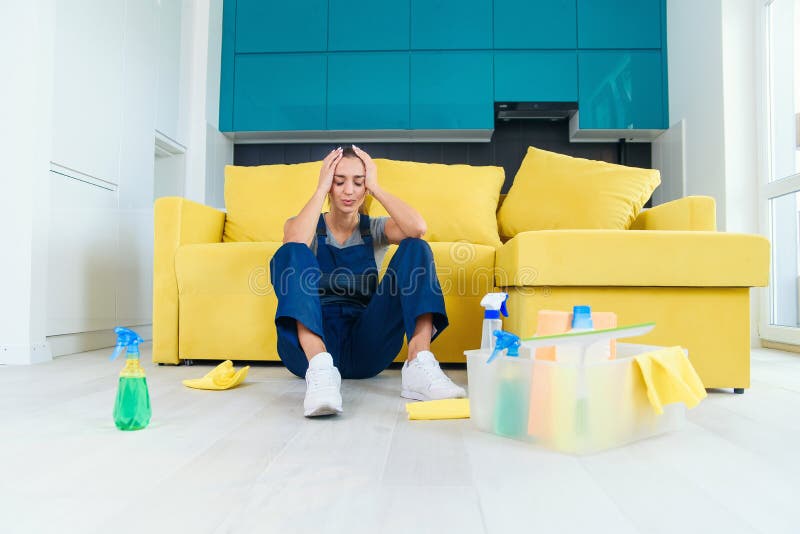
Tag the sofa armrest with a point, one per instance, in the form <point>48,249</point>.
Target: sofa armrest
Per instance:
<point>689,213</point>
<point>177,221</point>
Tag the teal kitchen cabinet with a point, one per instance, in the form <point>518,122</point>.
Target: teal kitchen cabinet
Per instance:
<point>529,24</point>
<point>442,64</point>
<point>621,89</point>
<point>268,26</point>
<point>538,76</point>
<point>451,90</point>
<point>451,24</point>
<point>620,23</point>
<point>368,91</point>
<point>274,92</point>
<point>368,25</point>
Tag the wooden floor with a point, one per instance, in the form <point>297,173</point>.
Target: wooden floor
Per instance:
<point>245,460</point>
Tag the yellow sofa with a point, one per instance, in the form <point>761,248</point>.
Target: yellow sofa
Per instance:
<point>213,299</point>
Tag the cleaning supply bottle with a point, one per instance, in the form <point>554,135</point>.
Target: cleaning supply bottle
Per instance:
<point>132,407</point>
<point>505,340</point>
<point>511,404</point>
<point>494,304</point>
<point>579,355</point>
<point>576,353</point>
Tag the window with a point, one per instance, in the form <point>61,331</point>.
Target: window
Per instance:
<point>780,192</point>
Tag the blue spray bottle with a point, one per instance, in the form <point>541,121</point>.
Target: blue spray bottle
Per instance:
<point>505,340</point>
<point>132,407</point>
<point>511,407</point>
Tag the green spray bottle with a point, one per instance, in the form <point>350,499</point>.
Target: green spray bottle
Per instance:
<point>132,408</point>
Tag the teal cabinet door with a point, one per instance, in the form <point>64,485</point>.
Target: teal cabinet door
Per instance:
<point>451,90</point>
<point>620,23</point>
<point>368,25</point>
<point>270,26</point>
<point>540,76</point>
<point>451,24</point>
<point>534,24</point>
<point>368,91</point>
<point>279,92</point>
<point>621,89</point>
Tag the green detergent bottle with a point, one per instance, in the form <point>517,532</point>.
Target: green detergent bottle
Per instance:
<point>511,405</point>
<point>132,408</point>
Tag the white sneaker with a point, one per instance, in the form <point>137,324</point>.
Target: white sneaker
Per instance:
<point>322,387</point>
<point>424,380</point>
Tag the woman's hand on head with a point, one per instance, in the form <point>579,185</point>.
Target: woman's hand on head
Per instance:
<point>370,170</point>
<point>326,172</point>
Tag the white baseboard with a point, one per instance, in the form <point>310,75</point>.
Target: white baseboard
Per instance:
<point>82,341</point>
<point>25,354</point>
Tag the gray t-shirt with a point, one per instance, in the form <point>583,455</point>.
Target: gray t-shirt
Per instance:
<point>380,243</point>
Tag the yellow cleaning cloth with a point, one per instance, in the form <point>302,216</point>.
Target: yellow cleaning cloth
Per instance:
<point>439,409</point>
<point>223,376</point>
<point>670,377</point>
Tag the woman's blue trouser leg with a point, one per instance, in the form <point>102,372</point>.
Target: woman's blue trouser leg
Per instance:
<point>294,273</point>
<point>409,288</point>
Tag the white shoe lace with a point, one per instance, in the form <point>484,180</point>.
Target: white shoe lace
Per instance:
<point>319,378</point>
<point>434,373</point>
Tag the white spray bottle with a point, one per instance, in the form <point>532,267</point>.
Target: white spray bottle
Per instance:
<point>494,304</point>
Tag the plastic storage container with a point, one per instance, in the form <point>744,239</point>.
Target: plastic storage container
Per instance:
<point>610,409</point>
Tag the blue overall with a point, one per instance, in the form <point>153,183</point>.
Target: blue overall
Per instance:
<point>336,296</point>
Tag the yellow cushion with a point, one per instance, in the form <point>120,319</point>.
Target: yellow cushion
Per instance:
<point>633,258</point>
<point>458,202</point>
<point>553,191</point>
<point>258,200</point>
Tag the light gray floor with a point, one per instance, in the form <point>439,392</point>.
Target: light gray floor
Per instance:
<point>245,460</point>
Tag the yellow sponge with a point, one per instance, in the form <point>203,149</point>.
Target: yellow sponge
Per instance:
<point>439,409</point>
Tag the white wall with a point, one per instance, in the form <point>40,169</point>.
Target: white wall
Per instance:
<point>96,80</point>
<point>694,52</point>
<point>711,47</point>
<point>25,151</point>
<point>208,150</point>
<point>669,156</point>
<point>740,78</point>
<point>219,149</point>
<point>169,74</point>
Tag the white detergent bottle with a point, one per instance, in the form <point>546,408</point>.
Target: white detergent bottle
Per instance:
<point>494,304</point>
<point>572,352</point>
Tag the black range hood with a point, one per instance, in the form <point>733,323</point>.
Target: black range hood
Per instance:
<point>554,111</point>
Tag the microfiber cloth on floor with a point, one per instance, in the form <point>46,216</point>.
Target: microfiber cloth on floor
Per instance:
<point>439,409</point>
<point>670,377</point>
<point>223,376</point>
